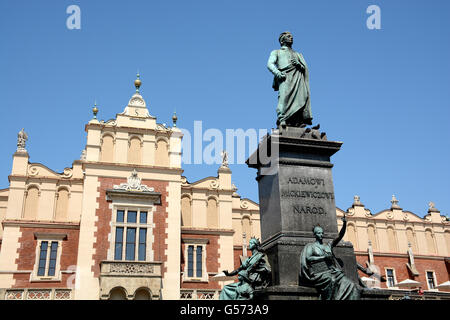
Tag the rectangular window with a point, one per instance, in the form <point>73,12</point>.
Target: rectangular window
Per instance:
<point>430,280</point>
<point>131,244</point>
<point>42,258</point>
<point>194,268</point>
<point>142,244</point>
<point>198,266</point>
<point>191,261</point>
<point>143,217</point>
<point>390,277</point>
<point>53,256</point>
<point>48,256</point>
<point>119,244</point>
<point>131,232</point>
<point>120,215</point>
<point>131,216</point>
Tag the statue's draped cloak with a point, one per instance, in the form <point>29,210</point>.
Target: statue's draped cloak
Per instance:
<point>294,105</point>
<point>332,284</point>
<point>255,268</point>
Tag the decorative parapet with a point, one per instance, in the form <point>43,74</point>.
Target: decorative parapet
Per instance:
<point>195,294</point>
<point>38,294</point>
<point>130,269</point>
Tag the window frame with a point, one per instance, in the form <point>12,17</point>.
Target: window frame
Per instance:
<point>195,243</point>
<point>137,226</point>
<point>434,280</point>
<point>393,275</point>
<point>49,238</point>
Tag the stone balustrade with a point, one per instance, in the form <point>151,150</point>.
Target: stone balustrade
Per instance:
<point>38,294</point>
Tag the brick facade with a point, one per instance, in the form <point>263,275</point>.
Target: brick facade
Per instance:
<point>398,263</point>
<point>104,216</point>
<point>212,261</point>
<point>27,257</point>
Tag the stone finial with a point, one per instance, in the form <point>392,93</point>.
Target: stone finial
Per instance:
<point>432,208</point>
<point>22,138</point>
<point>83,155</point>
<point>394,202</point>
<point>234,189</point>
<point>357,201</point>
<point>224,155</point>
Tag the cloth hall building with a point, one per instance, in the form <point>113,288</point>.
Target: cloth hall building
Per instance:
<point>124,223</point>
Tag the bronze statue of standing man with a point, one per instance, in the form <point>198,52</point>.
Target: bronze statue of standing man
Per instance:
<point>291,80</point>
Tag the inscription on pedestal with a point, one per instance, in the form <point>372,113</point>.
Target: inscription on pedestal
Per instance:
<point>302,188</point>
<point>296,197</point>
<point>306,197</point>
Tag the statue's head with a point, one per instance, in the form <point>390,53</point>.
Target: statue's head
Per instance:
<point>253,243</point>
<point>318,232</point>
<point>286,38</point>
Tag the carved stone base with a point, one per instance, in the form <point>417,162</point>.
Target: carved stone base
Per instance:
<point>284,252</point>
<point>130,276</point>
<point>307,293</point>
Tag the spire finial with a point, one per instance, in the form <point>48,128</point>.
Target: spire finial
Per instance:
<point>174,119</point>
<point>137,82</point>
<point>95,109</point>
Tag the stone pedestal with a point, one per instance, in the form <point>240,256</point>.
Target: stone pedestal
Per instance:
<point>295,194</point>
<point>306,293</point>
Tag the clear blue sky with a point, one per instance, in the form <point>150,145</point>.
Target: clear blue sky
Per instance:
<point>384,93</point>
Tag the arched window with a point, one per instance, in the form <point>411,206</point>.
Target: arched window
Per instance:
<point>411,239</point>
<point>351,232</point>
<point>372,237</point>
<point>162,153</point>
<point>62,204</point>
<point>392,241</point>
<point>117,294</point>
<point>186,211</point>
<point>134,151</point>
<point>142,294</point>
<point>246,228</point>
<point>212,217</point>
<point>31,203</point>
<point>107,151</point>
<point>430,242</point>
